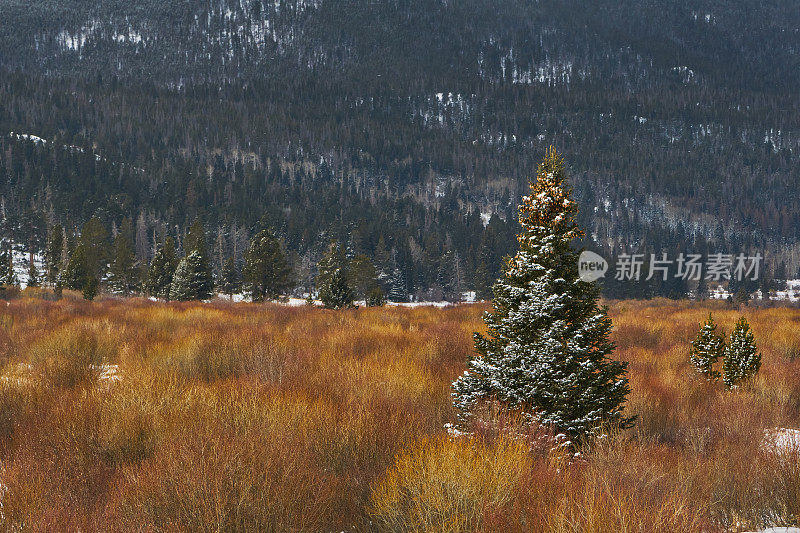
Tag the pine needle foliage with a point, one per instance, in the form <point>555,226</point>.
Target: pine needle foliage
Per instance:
<point>742,358</point>
<point>546,352</point>
<point>707,348</point>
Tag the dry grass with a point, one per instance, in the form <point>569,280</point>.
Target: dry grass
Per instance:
<point>268,418</point>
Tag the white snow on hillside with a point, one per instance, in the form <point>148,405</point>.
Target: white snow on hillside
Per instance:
<point>20,259</point>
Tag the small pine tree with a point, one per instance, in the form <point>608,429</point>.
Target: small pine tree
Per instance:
<point>266,272</point>
<point>91,287</point>
<point>192,280</point>
<point>547,349</point>
<point>229,278</point>
<point>7,275</point>
<point>707,348</point>
<point>337,294</point>
<point>33,274</point>
<point>162,269</point>
<point>742,359</point>
<point>376,298</point>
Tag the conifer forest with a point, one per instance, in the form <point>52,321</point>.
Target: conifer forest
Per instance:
<point>400,266</point>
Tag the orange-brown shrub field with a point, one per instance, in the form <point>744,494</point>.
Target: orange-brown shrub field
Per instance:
<point>135,415</point>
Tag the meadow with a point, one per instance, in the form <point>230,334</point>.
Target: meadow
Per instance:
<point>126,415</point>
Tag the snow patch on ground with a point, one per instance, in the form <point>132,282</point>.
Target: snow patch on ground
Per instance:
<point>782,440</point>
<point>778,530</point>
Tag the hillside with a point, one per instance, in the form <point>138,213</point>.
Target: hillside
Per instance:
<point>407,120</point>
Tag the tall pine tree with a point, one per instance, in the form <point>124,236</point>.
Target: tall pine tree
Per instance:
<point>124,272</point>
<point>266,272</point>
<point>192,279</point>
<point>54,253</point>
<point>162,268</point>
<point>7,275</point>
<point>547,350</point>
<point>230,281</point>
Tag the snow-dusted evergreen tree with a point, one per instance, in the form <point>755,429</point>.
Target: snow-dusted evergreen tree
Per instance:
<point>334,259</point>
<point>547,350</point>
<point>192,279</point>
<point>397,287</point>
<point>162,269</point>
<point>707,348</point>
<point>7,275</point>
<point>742,359</point>
<point>337,294</point>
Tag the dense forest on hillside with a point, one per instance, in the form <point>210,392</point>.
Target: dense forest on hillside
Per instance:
<point>404,129</point>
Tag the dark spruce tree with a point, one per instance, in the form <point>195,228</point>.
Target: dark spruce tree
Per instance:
<point>336,294</point>
<point>53,253</point>
<point>76,274</point>
<point>7,275</point>
<point>33,274</point>
<point>192,279</point>
<point>230,282</point>
<point>266,272</point>
<point>124,272</point>
<point>546,353</point>
<point>162,268</point>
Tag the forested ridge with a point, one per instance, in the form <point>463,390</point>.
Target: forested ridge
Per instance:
<point>401,128</point>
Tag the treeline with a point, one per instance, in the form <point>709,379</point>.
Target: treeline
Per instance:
<point>96,259</point>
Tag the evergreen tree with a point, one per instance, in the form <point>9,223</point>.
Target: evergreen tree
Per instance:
<point>91,287</point>
<point>7,275</point>
<point>94,241</point>
<point>124,272</point>
<point>397,287</point>
<point>482,286</point>
<point>192,279</point>
<point>362,275</point>
<point>707,348</point>
<point>742,359</point>
<point>33,274</point>
<point>195,243</point>
<point>336,294</point>
<point>162,268</point>
<point>76,273</point>
<point>334,259</point>
<point>230,282</point>
<point>54,253</point>
<point>266,272</point>
<point>196,239</point>
<point>376,298</point>
<point>547,349</point>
